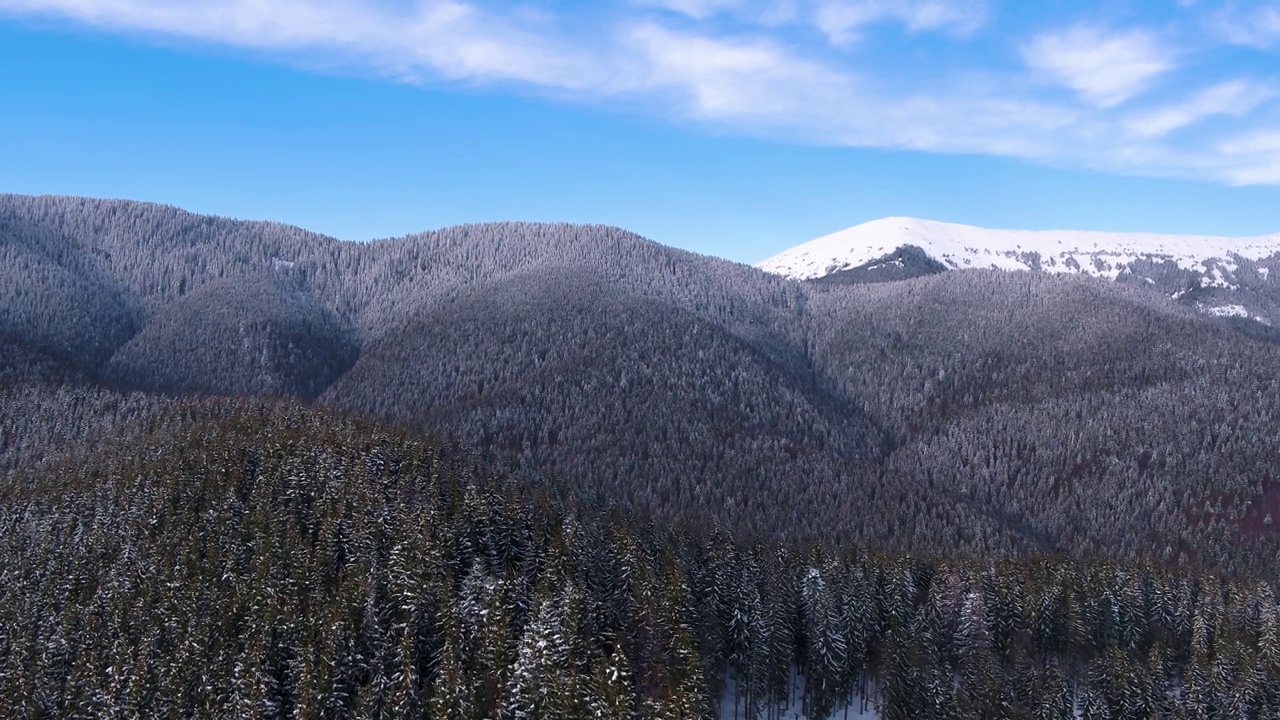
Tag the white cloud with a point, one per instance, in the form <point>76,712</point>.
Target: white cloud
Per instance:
<point>1106,68</point>
<point>1257,27</point>
<point>445,37</point>
<point>1253,158</point>
<point>843,20</point>
<point>726,79</point>
<point>698,9</point>
<point>1234,97</point>
<point>758,84</point>
<point>745,66</point>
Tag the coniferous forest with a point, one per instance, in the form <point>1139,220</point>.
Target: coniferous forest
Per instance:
<point>553,471</point>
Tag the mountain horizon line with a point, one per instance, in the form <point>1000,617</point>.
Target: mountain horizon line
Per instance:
<point>762,264</point>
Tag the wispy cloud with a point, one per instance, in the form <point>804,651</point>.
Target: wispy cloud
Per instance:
<point>957,79</point>
<point>1255,156</point>
<point>844,20</point>
<point>736,79</point>
<point>1106,68</point>
<point>1252,26</point>
<point>451,39</point>
<point>1234,97</point>
<point>698,9</point>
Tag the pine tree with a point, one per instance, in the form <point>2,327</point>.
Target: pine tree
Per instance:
<point>452,697</point>
<point>611,691</point>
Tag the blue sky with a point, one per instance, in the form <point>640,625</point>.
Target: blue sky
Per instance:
<point>731,127</point>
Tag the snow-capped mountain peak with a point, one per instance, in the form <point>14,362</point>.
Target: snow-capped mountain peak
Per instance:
<point>1104,254</point>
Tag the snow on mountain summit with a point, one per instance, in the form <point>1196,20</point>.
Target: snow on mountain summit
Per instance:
<point>1102,254</point>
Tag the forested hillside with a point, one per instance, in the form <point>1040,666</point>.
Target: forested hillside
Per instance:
<point>1069,412</point>
<point>259,559</point>
<point>554,471</point>
<point>991,414</point>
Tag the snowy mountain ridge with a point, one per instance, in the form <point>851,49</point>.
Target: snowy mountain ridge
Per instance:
<point>1101,254</point>
<point>1235,279</point>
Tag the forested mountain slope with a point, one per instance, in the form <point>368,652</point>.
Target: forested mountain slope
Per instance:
<point>636,399</point>
<point>258,559</point>
<point>1027,399</point>
<point>989,413</point>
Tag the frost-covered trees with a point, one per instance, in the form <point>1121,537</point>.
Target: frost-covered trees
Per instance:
<point>700,480</point>
<point>264,560</point>
<point>994,413</point>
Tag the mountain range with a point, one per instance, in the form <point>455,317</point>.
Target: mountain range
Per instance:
<point>981,410</point>
<point>1228,277</point>
<point>558,471</point>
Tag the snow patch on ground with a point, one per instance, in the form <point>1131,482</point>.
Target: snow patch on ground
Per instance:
<point>1231,311</point>
<point>1100,254</point>
<point>857,707</point>
<point>1227,311</point>
<point>891,263</point>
